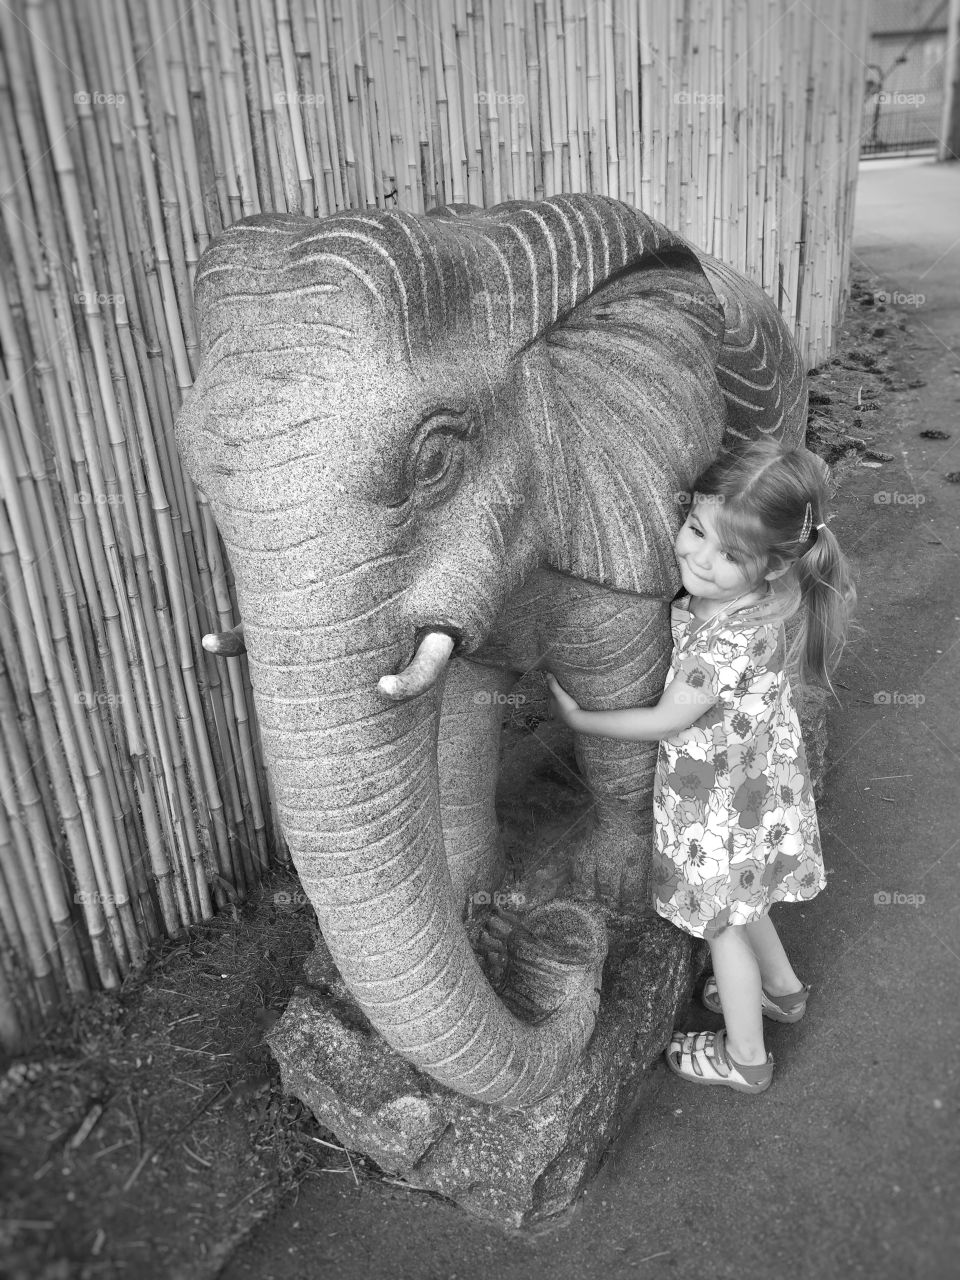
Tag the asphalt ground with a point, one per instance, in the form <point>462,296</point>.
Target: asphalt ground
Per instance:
<point>850,1165</point>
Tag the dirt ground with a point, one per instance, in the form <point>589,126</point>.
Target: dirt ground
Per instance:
<point>146,1133</point>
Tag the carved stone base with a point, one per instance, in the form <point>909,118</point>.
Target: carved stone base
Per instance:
<point>513,1167</point>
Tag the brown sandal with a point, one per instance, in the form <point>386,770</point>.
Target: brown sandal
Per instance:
<point>790,1008</point>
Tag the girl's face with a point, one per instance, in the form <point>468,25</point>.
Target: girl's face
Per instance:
<point>707,569</point>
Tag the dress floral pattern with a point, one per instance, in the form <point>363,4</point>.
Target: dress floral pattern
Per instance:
<point>736,825</point>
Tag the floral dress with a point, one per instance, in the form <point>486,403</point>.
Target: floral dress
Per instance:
<point>735,821</point>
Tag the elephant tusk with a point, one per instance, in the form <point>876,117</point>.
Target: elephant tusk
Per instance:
<point>225,644</point>
<point>433,653</point>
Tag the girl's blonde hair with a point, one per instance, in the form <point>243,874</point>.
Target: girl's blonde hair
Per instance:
<point>770,501</point>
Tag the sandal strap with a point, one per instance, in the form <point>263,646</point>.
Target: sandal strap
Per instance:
<point>779,1004</point>
<point>789,1002</point>
<point>752,1073</point>
<point>698,1054</point>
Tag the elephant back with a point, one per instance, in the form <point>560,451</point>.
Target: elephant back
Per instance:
<point>500,277</point>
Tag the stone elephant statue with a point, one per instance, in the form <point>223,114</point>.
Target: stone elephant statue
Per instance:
<point>442,451</point>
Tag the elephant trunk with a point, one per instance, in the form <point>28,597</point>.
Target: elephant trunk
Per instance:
<point>358,798</point>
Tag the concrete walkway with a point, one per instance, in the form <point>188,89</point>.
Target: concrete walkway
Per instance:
<point>850,1165</point>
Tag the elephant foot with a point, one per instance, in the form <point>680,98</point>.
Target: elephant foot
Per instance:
<point>547,960</point>
<point>490,932</point>
<point>225,644</point>
<point>491,945</point>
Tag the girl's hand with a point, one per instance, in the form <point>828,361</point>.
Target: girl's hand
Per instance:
<point>565,706</point>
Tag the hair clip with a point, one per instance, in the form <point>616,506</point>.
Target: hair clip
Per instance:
<point>808,526</point>
<point>807,523</point>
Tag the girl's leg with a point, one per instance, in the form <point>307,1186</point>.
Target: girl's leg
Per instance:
<point>776,972</point>
<point>737,972</point>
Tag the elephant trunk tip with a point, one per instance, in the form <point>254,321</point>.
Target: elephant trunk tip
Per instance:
<point>555,960</point>
<point>424,669</point>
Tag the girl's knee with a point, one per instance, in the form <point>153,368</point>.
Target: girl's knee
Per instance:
<point>729,930</point>
<point>729,935</point>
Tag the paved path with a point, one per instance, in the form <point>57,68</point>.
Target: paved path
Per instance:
<point>850,1165</point>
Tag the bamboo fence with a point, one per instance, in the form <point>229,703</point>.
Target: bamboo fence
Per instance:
<point>134,796</point>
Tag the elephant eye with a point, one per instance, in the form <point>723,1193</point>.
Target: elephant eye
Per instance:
<point>434,461</point>
<point>440,458</point>
<point>434,457</point>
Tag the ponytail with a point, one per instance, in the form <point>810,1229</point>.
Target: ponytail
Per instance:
<point>827,597</point>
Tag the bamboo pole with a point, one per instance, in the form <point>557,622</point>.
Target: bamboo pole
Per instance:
<point>266,111</point>
<point>514,77</point>
<point>17,1026</point>
<point>22,794</point>
<point>24,892</point>
<point>84,858</point>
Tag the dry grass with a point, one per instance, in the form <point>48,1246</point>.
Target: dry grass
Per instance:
<point>147,1130</point>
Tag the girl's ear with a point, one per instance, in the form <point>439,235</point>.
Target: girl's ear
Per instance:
<point>775,573</point>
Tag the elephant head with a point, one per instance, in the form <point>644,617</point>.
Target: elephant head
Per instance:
<point>397,420</point>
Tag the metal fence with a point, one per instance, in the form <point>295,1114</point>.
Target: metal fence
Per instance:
<point>904,90</point>
<point>901,120</point>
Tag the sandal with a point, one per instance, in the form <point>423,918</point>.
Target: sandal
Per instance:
<point>702,1058</point>
<point>789,1008</point>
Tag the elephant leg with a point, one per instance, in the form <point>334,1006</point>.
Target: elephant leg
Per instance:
<point>468,753</point>
<point>609,649</point>
<point>628,655</point>
<point>612,858</point>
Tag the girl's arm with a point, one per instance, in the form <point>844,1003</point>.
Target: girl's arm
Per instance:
<point>679,707</point>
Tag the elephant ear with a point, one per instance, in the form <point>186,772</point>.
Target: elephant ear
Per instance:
<point>626,389</point>
<point>759,368</point>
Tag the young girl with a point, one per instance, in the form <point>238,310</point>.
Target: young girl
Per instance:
<point>736,827</point>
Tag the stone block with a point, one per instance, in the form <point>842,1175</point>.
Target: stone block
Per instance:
<point>514,1167</point>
